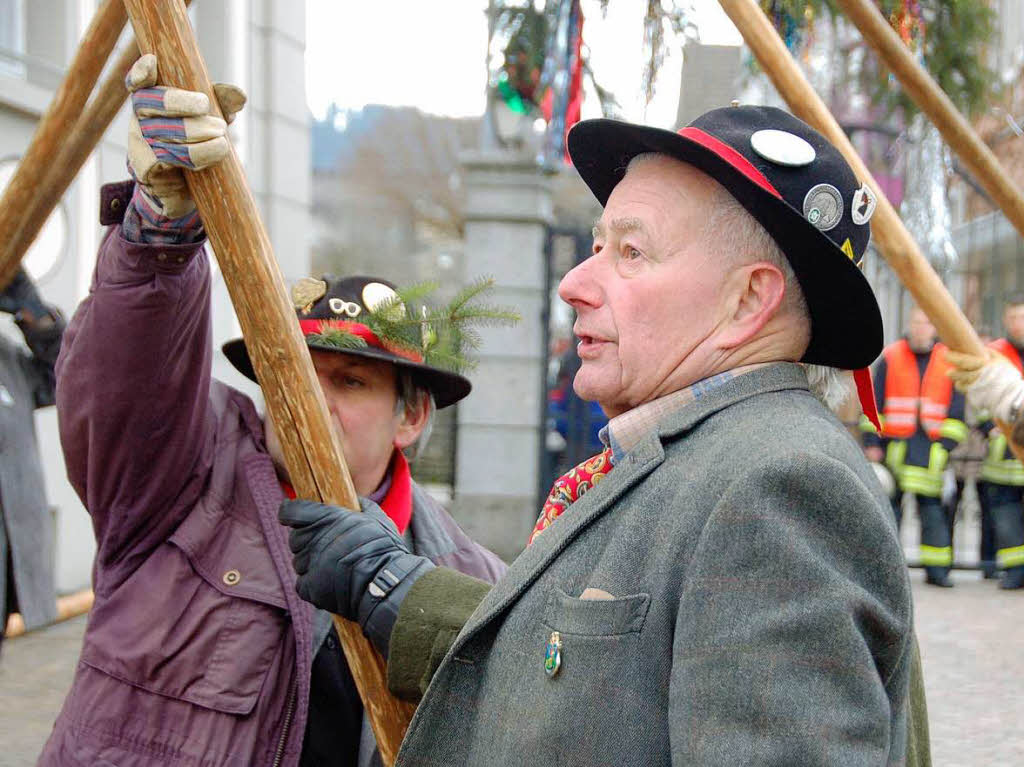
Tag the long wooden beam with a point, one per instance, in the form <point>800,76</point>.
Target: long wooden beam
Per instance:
<point>70,606</point>
<point>893,240</point>
<point>67,105</point>
<point>279,354</point>
<point>930,99</point>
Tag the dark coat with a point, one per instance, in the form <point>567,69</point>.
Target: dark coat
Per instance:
<point>198,650</point>
<point>26,532</point>
<point>761,608</point>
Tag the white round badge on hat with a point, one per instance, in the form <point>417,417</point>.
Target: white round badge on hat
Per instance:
<point>376,295</point>
<point>782,148</point>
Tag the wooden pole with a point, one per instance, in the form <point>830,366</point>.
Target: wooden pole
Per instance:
<point>68,103</point>
<point>279,354</point>
<point>70,606</point>
<point>887,230</point>
<point>931,100</point>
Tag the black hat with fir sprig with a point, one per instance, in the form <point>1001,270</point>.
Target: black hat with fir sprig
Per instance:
<point>371,317</point>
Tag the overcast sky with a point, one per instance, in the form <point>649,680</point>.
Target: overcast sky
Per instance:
<point>432,55</point>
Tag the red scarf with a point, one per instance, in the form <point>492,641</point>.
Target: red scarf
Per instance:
<point>397,503</point>
<point>570,486</point>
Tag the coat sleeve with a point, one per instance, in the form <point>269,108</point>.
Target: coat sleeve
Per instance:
<point>793,638</point>
<point>133,381</point>
<point>429,620</point>
<point>43,339</point>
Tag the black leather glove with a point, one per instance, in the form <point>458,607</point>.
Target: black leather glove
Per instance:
<point>21,295</point>
<point>354,565</point>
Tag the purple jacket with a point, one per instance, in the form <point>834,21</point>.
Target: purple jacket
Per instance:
<point>198,650</point>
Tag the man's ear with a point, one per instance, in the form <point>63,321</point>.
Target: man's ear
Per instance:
<point>753,294</point>
<point>412,421</point>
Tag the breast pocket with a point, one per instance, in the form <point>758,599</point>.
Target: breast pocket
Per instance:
<point>596,641</point>
<point>179,630</point>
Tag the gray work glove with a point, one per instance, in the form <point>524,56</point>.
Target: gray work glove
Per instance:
<point>21,296</point>
<point>354,565</point>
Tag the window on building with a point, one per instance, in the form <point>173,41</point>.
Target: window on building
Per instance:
<point>12,38</point>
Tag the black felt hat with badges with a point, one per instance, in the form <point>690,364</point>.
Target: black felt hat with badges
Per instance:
<point>333,315</point>
<point>794,182</point>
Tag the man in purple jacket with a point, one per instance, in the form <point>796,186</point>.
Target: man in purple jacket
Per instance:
<point>198,651</point>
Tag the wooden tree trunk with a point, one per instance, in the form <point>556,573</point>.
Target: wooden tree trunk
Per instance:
<point>275,344</point>
<point>19,198</point>
<point>931,100</point>
<point>887,230</point>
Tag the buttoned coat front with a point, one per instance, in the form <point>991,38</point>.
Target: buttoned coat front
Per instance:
<point>761,610</point>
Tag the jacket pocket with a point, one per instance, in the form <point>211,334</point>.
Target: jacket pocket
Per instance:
<point>176,630</point>
<point>596,617</point>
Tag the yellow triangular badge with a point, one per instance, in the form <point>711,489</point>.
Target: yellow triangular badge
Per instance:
<point>848,249</point>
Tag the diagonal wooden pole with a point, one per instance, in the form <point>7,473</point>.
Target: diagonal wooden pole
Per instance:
<point>931,100</point>
<point>893,240</point>
<point>279,354</point>
<point>68,103</point>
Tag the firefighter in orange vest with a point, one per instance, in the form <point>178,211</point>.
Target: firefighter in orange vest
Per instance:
<point>1002,475</point>
<point>922,420</point>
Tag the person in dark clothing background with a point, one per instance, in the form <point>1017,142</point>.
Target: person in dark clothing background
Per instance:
<point>922,420</point>
<point>1002,475</point>
<point>26,383</point>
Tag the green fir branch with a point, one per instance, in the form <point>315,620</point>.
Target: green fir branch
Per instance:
<point>337,338</point>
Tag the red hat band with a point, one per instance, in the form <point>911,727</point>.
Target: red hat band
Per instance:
<point>316,327</point>
<point>730,155</point>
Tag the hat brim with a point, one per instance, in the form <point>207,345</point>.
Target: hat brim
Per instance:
<point>846,323</point>
<point>446,387</point>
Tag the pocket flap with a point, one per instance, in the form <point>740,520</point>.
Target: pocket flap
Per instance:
<point>603,617</point>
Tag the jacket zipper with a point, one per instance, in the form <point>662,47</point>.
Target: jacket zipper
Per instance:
<point>288,712</point>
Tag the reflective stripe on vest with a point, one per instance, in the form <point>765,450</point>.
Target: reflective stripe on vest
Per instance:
<point>922,480</point>
<point>908,397</point>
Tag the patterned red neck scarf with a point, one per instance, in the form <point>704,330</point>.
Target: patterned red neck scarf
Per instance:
<point>570,486</point>
<point>397,503</point>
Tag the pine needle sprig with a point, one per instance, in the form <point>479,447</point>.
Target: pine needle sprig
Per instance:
<point>337,338</point>
<point>441,335</point>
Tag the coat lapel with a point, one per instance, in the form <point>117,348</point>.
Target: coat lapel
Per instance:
<point>547,546</point>
<point>636,465</point>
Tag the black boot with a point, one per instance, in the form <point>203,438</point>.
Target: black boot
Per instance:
<point>1013,578</point>
<point>938,576</point>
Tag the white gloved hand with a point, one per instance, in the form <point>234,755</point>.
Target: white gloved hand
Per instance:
<point>172,129</point>
<point>990,382</point>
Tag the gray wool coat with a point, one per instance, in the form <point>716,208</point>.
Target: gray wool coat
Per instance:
<point>761,611</point>
<point>26,528</point>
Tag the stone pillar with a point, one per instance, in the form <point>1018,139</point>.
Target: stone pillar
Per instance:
<point>508,207</point>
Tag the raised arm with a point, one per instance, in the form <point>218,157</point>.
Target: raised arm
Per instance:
<point>133,377</point>
<point>42,326</point>
<point>133,383</point>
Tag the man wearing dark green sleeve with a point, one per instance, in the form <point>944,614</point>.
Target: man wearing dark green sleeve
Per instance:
<point>723,583</point>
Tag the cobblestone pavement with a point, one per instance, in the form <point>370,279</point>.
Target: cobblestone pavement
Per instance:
<point>971,644</point>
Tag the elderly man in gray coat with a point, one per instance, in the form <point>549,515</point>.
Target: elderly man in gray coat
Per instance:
<point>723,585</point>
<point>26,528</point>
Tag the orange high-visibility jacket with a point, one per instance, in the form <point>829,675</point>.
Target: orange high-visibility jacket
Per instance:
<point>908,397</point>
<point>1009,351</point>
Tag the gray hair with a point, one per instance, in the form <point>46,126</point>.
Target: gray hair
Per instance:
<point>731,230</point>
<point>410,395</point>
